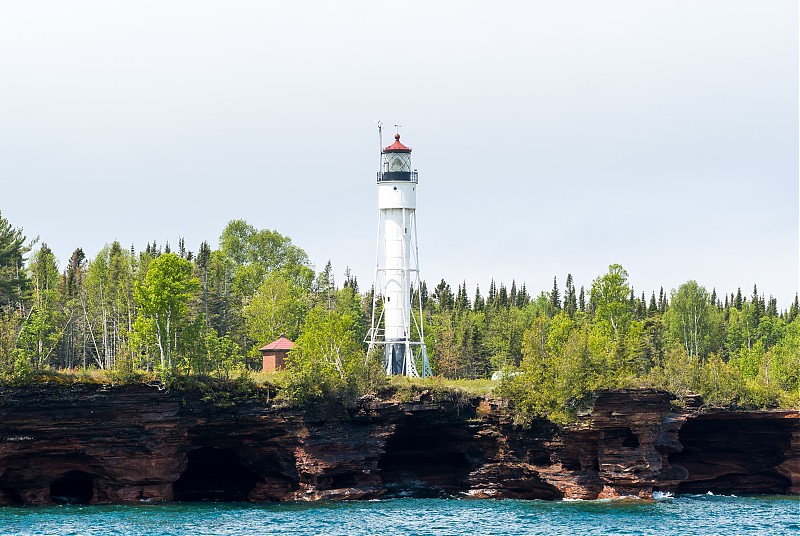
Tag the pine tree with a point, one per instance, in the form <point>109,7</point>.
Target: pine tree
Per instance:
<point>72,343</point>
<point>324,287</point>
<point>77,262</point>
<point>758,303</point>
<point>738,301</point>
<point>492,296</point>
<point>794,309</point>
<point>772,307</point>
<point>713,298</point>
<point>523,298</point>
<point>653,307</point>
<point>462,302</point>
<point>202,263</point>
<point>478,304</point>
<point>513,294</point>
<point>555,299</point>
<point>14,282</point>
<point>502,297</point>
<point>570,300</point>
<point>351,281</point>
<point>662,301</point>
<point>443,296</point>
<point>582,300</point>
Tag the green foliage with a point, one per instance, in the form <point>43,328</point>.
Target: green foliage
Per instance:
<point>195,321</point>
<point>13,279</point>
<point>556,374</point>
<point>690,318</point>
<point>42,330</point>
<point>164,299</point>
<point>278,307</point>
<point>610,298</point>
<point>255,253</point>
<point>328,361</point>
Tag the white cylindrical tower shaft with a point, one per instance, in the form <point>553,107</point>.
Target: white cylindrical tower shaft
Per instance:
<point>397,202</point>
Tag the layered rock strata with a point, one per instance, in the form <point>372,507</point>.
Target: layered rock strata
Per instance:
<point>101,444</point>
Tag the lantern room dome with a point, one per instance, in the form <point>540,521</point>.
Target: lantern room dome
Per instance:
<point>397,147</point>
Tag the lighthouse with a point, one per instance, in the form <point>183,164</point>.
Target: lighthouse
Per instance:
<point>396,320</point>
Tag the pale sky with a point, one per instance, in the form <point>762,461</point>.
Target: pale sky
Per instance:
<point>550,137</point>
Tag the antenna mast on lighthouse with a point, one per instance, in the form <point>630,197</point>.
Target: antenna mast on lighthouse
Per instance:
<point>396,322</point>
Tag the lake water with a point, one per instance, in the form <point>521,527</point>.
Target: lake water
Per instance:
<point>695,514</point>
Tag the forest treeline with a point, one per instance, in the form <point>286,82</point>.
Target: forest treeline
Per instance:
<point>174,312</point>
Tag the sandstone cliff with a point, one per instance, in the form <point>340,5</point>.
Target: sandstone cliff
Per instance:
<point>101,444</point>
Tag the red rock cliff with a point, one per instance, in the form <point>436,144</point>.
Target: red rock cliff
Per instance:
<point>96,444</point>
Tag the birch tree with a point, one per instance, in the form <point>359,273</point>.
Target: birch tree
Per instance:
<point>163,298</point>
<point>689,318</point>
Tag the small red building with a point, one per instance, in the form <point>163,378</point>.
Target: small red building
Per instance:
<point>273,355</point>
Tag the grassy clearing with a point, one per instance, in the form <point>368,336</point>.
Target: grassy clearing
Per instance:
<point>440,389</point>
<point>262,385</point>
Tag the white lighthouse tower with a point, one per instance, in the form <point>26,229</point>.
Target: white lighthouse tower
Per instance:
<point>396,323</point>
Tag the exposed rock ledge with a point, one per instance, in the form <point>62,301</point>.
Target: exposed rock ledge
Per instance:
<point>94,444</point>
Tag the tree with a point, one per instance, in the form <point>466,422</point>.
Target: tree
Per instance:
<point>163,297</point>
<point>523,298</point>
<point>44,326</point>
<point>329,360</point>
<point>462,301</point>
<point>73,344</point>
<point>13,279</point>
<point>108,305</point>
<point>14,285</point>
<point>794,309</point>
<point>443,296</point>
<point>502,296</point>
<point>278,307</point>
<point>256,252</point>
<point>555,300</point>
<point>689,318</point>
<point>570,299</point>
<point>610,293</point>
<point>652,307</point>
<point>478,303</point>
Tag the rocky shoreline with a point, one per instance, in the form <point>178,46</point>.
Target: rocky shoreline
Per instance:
<point>102,444</point>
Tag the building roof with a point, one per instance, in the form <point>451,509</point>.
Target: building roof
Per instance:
<point>397,147</point>
<point>281,343</point>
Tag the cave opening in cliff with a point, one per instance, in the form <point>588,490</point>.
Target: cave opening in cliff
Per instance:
<point>214,475</point>
<point>424,459</point>
<point>623,437</point>
<point>724,454</point>
<point>74,487</point>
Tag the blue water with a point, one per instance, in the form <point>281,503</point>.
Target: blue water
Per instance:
<point>698,514</point>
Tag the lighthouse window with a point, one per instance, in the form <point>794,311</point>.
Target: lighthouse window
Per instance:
<point>400,162</point>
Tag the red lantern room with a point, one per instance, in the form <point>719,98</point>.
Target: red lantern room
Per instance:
<point>396,163</point>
